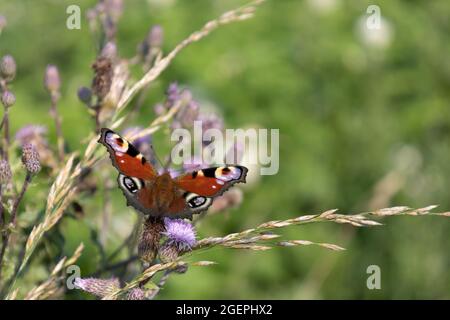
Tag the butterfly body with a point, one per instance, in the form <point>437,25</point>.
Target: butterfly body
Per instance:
<point>161,195</point>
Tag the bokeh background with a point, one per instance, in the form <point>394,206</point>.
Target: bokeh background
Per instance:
<point>364,119</point>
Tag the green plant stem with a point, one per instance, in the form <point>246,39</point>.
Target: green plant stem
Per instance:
<point>13,221</point>
<point>56,117</point>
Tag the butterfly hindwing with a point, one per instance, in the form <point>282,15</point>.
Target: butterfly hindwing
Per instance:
<point>138,194</point>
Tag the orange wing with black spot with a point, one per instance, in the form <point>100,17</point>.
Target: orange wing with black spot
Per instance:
<point>126,157</point>
<point>202,186</point>
<point>135,172</point>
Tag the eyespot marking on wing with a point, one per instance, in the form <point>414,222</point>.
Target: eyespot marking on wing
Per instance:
<point>228,173</point>
<point>196,201</point>
<point>130,184</point>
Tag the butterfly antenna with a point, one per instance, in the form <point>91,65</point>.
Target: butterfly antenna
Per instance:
<point>168,162</point>
<point>156,157</point>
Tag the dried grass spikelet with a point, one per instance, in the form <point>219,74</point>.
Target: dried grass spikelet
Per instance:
<point>51,288</point>
<point>149,242</point>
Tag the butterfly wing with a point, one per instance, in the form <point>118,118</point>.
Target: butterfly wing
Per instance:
<point>125,157</point>
<point>135,172</point>
<point>202,186</point>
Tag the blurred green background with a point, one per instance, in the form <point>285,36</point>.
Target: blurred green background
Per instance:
<point>364,119</point>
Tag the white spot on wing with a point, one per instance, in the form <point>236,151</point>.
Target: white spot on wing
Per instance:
<point>234,173</point>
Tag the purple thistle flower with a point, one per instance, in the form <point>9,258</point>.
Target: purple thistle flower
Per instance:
<point>190,112</point>
<point>172,94</point>
<point>109,50</point>
<point>180,234</point>
<point>30,132</point>
<point>210,121</point>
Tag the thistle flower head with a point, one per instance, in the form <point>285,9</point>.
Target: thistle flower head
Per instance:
<point>8,68</point>
<point>98,287</point>
<point>180,234</point>
<point>155,36</point>
<point>8,99</point>
<point>114,8</point>
<point>52,81</point>
<point>31,159</point>
<point>30,133</point>
<point>190,111</point>
<point>5,172</point>
<point>172,94</point>
<point>210,121</point>
<point>109,50</point>
<point>153,40</point>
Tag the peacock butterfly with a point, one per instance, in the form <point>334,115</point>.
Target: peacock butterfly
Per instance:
<point>161,195</point>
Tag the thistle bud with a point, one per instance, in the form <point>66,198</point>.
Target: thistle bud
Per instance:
<point>103,77</point>
<point>85,95</point>
<point>52,81</point>
<point>159,109</point>
<point>98,287</point>
<point>114,8</point>
<point>155,36</point>
<point>5,172</point>
<point>3,23</point>
<point>109,50</point>
<point>8,68</point>
<point>8,99</point>
<point>30,158</point>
